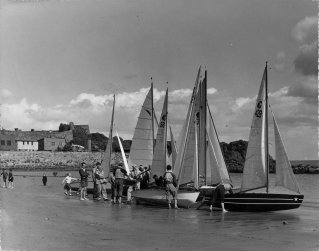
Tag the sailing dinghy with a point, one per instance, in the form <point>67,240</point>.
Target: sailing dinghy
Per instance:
<point>286,193</point>
<point>157,196</point>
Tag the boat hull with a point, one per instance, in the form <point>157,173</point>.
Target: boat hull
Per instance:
<point>157,197</point>
<point>262,202</point>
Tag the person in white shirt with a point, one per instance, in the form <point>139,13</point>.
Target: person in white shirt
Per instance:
<point>67,183</point>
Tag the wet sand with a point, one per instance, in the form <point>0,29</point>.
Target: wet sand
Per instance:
<point>34,217</point>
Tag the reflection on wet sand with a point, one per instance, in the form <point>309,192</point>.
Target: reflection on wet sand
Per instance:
<point>101,225</point>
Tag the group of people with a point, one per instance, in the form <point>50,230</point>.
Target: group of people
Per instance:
<point>7,178</point>
<point>138,178</point>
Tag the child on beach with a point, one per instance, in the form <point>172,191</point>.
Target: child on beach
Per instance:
<point>10,179</point>
<point>67,183</point>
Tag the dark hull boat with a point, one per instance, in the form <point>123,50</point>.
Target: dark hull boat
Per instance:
<point>255,194</point>
<point>262,202</point>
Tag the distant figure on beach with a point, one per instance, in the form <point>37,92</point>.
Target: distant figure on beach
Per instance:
<point>84,182</point>
<point>170,185</point>
<point>219,193</point>
<point>4,176</point>
<point>10,179</point>
<point>44,179</point>
<point>100,182</point>
<point>67,183</point>
<point>119,174</point>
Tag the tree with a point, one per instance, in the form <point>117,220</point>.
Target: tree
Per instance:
<point>64,127</point>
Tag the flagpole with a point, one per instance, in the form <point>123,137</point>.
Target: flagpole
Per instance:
<point>266,122</point>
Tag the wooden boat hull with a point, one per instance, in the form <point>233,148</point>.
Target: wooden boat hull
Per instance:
<point>261,202</point>
<point>157,197</point>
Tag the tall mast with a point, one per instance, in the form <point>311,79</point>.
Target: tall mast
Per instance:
<point>152,114</point>
<point>266,122</point>
<point>165,134</point>
<point>202,128</point>
<point>111,132</point>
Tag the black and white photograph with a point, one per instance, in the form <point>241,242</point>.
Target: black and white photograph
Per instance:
<point>159,125</point>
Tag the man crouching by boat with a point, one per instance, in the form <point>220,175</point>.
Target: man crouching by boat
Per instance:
<point>219,192</point>
<point>170,186</point>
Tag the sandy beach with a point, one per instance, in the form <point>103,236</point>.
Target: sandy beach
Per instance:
<point>34,217</point>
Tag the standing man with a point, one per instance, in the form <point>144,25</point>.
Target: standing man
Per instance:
<point>133,178</point>
<point>170,185</point>
<point>84,181</point>
<point>100,182</point>
<point>95,185</point>
<point>119,174</point>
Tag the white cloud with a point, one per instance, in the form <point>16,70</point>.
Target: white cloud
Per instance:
<point>305,30</point>
<point>211,91</point>
<point>240,102</point>
<point>5,93</point>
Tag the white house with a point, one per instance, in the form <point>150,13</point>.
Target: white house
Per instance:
<point>27,145</point>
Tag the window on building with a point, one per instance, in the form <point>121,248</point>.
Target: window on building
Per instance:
<point>32,143</point>
<point>27,142</point>
<point>53,143</point>
<point>8,142</point>
<point>23,142</point>
<point>3,142</point>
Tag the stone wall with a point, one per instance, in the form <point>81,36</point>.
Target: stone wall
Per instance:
<point>46,160</point>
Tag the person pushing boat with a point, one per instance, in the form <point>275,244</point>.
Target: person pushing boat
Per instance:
<point>170,185</point>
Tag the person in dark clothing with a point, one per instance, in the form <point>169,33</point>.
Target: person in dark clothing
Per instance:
<point>158,180</point>
<point>10,179</point>
<point>145,178</point>
<point>219,193</point>
<point>44,179</point>
<point>84,181</point>
<point>4,176</point>
<point>119,174</point>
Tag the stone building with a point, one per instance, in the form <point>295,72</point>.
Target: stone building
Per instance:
<point>51,144</point>
<point>7,142</point>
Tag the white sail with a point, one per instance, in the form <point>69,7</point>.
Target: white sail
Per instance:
<point>216,171</point>
<point>284,174</point>
<point>255,173</point>
<point>188,164</point>
<point>141,152</point>
<point>107,160</point>
<point>159,157</point>
<point>173,148</point>
<point>183,137</point>
<point>123,154</point>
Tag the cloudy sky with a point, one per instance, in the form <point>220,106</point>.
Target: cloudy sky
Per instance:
<point>61,61</point>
